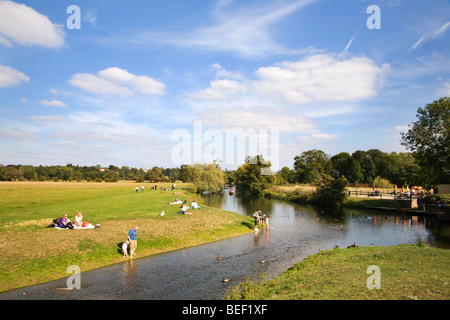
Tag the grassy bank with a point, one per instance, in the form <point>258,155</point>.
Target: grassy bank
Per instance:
<point>407,272</point>
<point>34,254</point>
<point>304,194</point>
<point>294,193</point>
<point>353,202</point>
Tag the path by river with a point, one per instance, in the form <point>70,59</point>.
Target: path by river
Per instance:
<point>196,273</point>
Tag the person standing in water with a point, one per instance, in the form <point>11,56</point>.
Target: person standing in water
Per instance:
<point>267,222</point>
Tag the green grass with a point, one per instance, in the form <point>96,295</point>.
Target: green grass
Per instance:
<point>33,254</point>
<point>407,272</point>
<point>357,202</point>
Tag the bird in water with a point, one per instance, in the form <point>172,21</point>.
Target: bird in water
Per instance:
<point>225,279</point>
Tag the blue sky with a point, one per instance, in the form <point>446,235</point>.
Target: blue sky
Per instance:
<point>116,90</point>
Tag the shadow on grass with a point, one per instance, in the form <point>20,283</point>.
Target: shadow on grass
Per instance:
<point>247,224</point>
<point>120,251</point>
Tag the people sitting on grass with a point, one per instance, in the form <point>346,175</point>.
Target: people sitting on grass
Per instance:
<point>184,209</point>
<point>78,219</point>
<point>79,223</point>
<point>194,205</point>
<point>65,223</point>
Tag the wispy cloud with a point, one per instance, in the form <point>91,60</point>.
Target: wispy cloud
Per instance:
<point>53,103</point>
<point>246,30</point>
<point>347,47</point>
<point>429,36</point>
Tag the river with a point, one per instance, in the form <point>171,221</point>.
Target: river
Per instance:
<point>295,232</point>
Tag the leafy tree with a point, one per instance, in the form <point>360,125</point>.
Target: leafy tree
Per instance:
<point>252,175</point>
<point>154,175</point>
<point>429,140</point>
<point>207,177</point>
<point>29,173</point>
<point>341,164</point>
<point>287,175</point>
<point>183,174</point>
<point>331,192</point>
<point>367,166</point>
<point>355,174</point>
<point>406,169</point>
<point>12,174</point>
<point>311,165</point>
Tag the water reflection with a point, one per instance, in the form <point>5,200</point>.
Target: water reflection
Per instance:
<point>129,272</point>
<point>352,222</point>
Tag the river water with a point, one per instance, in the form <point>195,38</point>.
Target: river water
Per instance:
<point>295,232</point>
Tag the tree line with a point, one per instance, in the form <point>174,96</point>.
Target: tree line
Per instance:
<point>88,173</point>
<point>360,167</point>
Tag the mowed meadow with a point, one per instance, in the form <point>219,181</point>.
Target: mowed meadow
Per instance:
<point>34,254</point>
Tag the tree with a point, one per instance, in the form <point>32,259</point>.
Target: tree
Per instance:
<point>355,174</point>
<point>331,192</point>
<point>12,174</point>
<point>154,175</point>
<point>341,164</point>
<point>183,174</point>
<point>367,166</point>
<point>429,140</point>
<point>311,165</point>
<point>252,175</point>
<point>207,177</point>
<point>287,175</point>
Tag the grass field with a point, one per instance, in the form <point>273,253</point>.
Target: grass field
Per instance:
<point>406,272</point>
<point>34,254</point>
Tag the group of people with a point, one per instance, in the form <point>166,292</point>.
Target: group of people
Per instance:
<point>65,223</point>
<point>260,220</point>
<point>137,189</point>
<point>184,206</point>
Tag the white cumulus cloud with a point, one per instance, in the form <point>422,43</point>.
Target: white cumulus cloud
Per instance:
<point>320,77</point>
<point>53,103</point>
<point>117,82</point>
<point>11,77</point>
<point>25,26</point>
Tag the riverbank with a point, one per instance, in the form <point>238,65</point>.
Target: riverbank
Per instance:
<point>407,272</point>
<point>33,254</point>
<point>304,194</point>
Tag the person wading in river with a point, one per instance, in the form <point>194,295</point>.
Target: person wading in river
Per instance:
<point>256,217</point>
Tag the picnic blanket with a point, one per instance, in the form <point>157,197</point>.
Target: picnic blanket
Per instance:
<point>90,226</point>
